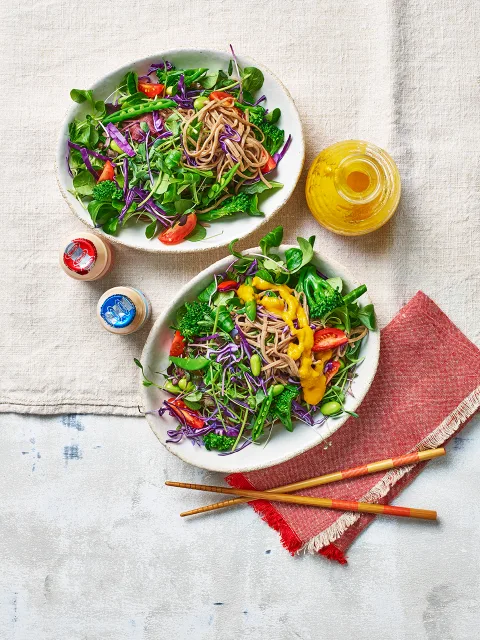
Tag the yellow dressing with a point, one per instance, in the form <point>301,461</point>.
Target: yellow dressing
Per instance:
<point>311,374</point>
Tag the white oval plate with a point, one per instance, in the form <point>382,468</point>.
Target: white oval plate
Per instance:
<point>221,232</point>
<point>283,444</point>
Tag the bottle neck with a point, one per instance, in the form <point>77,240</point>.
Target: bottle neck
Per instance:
<point>358,179</point>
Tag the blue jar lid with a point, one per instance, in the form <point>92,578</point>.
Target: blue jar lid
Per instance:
<point>118,311</point>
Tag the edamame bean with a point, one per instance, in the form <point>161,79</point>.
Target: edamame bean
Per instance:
<point>255,364</point>
<point>200,102</point>
<point>171,388</point>
<point>277,389</point>
<point>330,408</point>
<point>190,387</point>
<point>183,384</point>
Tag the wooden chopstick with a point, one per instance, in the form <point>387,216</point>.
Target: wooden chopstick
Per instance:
<point>372,467</point>
<point>326,503</point>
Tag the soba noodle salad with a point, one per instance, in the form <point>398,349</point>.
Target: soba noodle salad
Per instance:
<point>268,344</point>
<point>176,149</point>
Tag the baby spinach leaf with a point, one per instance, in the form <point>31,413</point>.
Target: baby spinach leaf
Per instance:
<point>260,187</point>
<point>83,183</point>
<point>272,239</point>
<point>81,95</point>
<point>264,275</point>
<point>197,234</point>
<point>252,79</point>
<point>111,226</point>
<point>273,116</point>
<point>336,283</point>
<point>190,364</point>
<point>293,259</point>
<point>366,315</point>
<point>209,80</point>
<point>151,229</point>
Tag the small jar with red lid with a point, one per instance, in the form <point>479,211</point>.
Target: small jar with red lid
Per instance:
<point>86,256</point>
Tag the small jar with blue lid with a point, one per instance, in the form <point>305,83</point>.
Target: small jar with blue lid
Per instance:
<point>123,310</point>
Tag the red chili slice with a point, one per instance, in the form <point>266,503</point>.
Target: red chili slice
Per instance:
<point>191,418</point>
<point>228,285</point>
<point>328,338</point>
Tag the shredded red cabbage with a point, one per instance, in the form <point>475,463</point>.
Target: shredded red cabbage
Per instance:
<point>279,155</point>
<point>120,139</point>
<point>165,64</point>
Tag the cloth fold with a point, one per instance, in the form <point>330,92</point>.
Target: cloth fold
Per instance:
<point>426,388</point>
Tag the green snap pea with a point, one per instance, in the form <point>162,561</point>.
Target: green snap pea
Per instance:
<point>277,389</point>
<point>182,383</point>
<point>225,321</point>
<point>257,428</point>
<point>200,102</point>
<point>171,388</point>
<point>330,408</point>
<point>139,109</point>
<point>255,364</point>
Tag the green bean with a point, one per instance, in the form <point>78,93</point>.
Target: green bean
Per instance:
<point>139,109</point>
<point>255,364</point>
<point>330,408</point>
<point>277,389</point>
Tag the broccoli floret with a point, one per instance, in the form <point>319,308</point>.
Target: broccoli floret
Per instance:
<point>274,136</point>
<point>106,191</point>
<point>215,441</point>
<point>196,312</point>
<point>243,202</point>
<point>321,297</point>
<point>282,405</point>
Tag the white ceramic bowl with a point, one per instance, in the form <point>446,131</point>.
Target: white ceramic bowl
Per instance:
<point>223,231</point>
<point>283,444</point>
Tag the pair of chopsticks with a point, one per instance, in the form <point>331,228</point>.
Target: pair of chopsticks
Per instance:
<point>281,494</point>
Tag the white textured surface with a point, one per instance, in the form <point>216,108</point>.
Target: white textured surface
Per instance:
<point>401,74</point>
<point>92,548</point>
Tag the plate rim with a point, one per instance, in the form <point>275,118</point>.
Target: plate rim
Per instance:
<point>192,246</point>
<point>170,447</point>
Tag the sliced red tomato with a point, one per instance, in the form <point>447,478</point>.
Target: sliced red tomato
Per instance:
<point>191,417</point>
<point>269,166</point>
<point>178,344</point>
<point>328,338</point>
<point>220,95</point>
<point>151,89</point>
<point>179,231</point>
<point>228,285</point>
<point>333,370</point>
<point>108,172</point>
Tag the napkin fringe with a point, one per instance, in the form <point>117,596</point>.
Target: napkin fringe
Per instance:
<point>445,430</point>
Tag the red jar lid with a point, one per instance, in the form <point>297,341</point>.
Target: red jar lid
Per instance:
<point>80,256</point>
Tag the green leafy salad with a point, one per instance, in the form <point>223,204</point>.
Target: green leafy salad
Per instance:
<point>268,343</point>
<point>176,149</point>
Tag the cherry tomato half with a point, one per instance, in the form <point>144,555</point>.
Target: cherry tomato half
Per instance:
<point>191,417</point>
<point>333,371</point>
<point>269,165</point>
<point>108,172</point>
<point>221,95</point>
<point>328,338</point>
<point>178,233</point>
<point>150,89</point>
<point>178,344</point>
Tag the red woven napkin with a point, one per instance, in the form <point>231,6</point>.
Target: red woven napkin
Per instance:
<point>426,388</point>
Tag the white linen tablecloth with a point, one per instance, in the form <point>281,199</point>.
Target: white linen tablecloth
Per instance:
<point>403,75</point>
